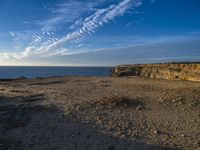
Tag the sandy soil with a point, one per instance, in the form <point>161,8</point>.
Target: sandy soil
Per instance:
<point>90,113</point>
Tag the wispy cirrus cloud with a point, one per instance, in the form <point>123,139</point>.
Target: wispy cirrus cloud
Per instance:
<point>87,26</point>
<point>82,17</point>
<point>66,12</point>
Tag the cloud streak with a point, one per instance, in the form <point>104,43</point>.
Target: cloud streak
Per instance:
<point>89,25</point>
<point>66,12</point>
<point>44,42</point>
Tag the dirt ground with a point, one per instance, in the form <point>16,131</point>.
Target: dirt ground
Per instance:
<point>99,113</point>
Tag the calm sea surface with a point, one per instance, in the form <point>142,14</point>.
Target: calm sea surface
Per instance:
<point>33,72</point>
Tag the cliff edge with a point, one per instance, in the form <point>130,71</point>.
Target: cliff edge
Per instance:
<point>172,71</point>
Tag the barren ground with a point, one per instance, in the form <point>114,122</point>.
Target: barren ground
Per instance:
<point>96,113</point>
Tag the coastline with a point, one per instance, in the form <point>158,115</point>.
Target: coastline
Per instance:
<point>171,71</point>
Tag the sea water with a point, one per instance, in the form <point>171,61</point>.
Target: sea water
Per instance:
<point>36,72</point>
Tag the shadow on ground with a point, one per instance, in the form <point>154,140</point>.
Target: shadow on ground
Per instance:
<point>27,125</point>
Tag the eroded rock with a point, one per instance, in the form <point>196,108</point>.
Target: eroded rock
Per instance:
<point>172,71</point>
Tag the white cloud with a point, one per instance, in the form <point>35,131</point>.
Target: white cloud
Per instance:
<point>12,33</point>
<point>91,23</point>
<point>44,43</point>
<point>66,12</point>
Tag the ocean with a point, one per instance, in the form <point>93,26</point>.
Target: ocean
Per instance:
<point>36,72</point>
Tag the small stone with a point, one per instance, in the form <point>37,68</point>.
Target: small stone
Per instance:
<point>156,131</point>
<point>139,107</point>
<point>183,135</point>
<point>98,120</point>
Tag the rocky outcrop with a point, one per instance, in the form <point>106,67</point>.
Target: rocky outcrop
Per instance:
<point>173,71</point>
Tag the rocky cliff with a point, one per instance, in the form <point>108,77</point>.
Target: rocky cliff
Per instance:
<point>173,71</point>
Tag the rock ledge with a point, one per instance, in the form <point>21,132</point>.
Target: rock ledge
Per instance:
<point>172,71</point>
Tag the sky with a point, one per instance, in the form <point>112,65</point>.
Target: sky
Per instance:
<point>98,32</point>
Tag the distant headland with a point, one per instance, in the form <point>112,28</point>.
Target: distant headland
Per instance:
<point>174,70</point>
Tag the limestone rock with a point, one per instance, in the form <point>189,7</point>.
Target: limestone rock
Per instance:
<point>171,71</point>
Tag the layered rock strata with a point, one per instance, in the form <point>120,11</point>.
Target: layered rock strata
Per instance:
<point>172,71</point>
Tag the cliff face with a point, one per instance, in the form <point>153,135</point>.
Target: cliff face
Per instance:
<point>171,71</point>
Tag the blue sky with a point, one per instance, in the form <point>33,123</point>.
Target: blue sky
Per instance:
<point>98,32</point>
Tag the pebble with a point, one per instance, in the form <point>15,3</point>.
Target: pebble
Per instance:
<point>138,108</point>
<point>98,120</point>
<point>156,131</point>
<point>183,135</point>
